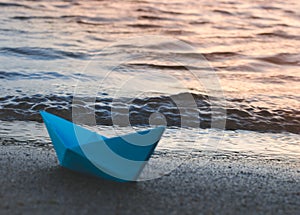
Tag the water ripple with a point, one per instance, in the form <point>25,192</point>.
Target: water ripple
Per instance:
<point>241,115</point>
<point>39,53</point>
<point>6,4</point>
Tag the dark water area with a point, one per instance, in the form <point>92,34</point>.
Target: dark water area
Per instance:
<point>46,48</point>
<point>240,113</point>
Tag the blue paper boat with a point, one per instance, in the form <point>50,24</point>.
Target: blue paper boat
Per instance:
<point>120,158</point>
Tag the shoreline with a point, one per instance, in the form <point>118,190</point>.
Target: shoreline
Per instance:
<point>32,182</point>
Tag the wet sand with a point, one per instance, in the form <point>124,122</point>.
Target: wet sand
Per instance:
<point>32,182</point>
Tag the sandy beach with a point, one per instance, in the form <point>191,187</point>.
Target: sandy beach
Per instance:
<point>222,76</point>
<point>33,182</point>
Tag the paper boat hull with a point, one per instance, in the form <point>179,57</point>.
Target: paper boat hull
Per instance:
<point>119,158</point>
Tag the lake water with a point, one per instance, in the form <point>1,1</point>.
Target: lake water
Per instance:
<point>54,51</point>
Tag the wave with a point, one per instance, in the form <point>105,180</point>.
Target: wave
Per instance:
<point>6,4</point>
<point>75,18</point>
<point>144,26</point>
<point>12,76</point>
<point>149,17</point>
<point>282,59</point>
<point>280,34</point>
<point>241,115</point>
<point>39,53</point>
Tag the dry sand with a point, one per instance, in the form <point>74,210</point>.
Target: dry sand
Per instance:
<point>32,182</point>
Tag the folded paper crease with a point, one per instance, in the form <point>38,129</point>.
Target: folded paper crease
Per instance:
<point>120,158</point>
